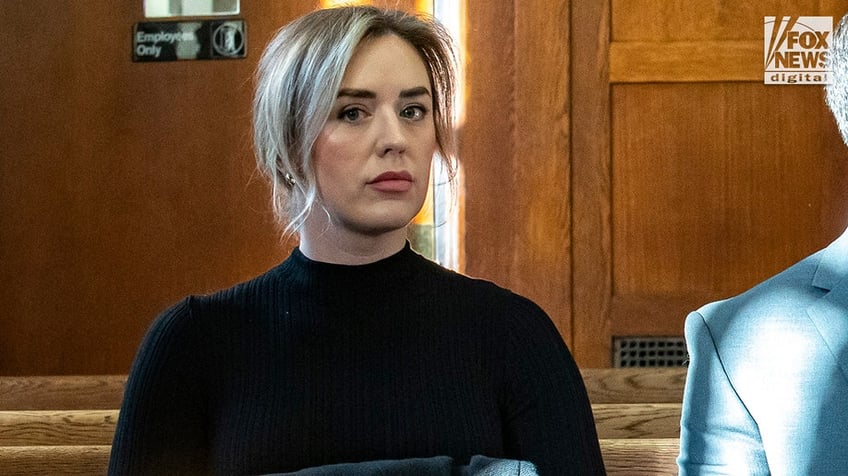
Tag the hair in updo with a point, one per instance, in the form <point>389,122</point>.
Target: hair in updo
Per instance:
<point>298,79</point>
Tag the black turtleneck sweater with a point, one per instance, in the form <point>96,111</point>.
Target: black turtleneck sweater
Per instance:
<point>313,363</point>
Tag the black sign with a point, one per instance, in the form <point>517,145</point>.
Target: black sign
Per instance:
<point>189,40</point>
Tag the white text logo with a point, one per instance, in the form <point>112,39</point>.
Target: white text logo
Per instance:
<point>795,49</point>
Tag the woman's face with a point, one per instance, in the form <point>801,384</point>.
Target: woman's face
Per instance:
<point>372,158</point>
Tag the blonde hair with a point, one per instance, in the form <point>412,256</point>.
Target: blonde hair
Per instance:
<point>297,82</point>
<point>836,91</point>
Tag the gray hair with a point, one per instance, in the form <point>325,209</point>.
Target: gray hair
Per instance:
<point>298,79</point>
<point>836,91</point>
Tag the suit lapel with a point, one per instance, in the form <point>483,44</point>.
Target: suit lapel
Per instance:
<point>830,313</point>
<point>833,267</point>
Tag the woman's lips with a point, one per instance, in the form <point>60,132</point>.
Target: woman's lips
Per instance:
<point>392,182</point>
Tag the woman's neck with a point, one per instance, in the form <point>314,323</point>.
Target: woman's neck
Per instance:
<point>330,245</point>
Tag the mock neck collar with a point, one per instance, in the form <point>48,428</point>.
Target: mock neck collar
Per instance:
<point>390,265</point>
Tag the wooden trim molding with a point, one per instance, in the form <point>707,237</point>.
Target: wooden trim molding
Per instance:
<point>685,61</point>
<point>591,186</point>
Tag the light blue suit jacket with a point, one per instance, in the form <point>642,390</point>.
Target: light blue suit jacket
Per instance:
<point>767,385</point>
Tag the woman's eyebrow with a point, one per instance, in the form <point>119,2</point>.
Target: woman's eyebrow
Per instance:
<point>356,93</point>
<point>364,93</point>
<point>413,92</point>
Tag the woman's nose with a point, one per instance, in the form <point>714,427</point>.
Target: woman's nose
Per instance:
<point>391,135</point>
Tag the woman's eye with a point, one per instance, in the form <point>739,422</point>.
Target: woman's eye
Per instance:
<point>351,115</point>
<point>413,112</point>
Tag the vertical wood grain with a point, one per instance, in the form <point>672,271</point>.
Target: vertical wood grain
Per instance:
<point>591,139</point>
<point>694,190</point>
<point>542,159</point>
<point>486,147</point>
<point>124,186</point>
<point>720,185</point>
<point>515,147</point>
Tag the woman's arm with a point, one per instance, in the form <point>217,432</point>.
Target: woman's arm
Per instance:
<point>161,427</point>
<point>546,412</point>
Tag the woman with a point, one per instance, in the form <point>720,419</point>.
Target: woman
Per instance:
<point>355,348</point>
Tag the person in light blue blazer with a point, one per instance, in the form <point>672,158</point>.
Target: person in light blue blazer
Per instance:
<point>767,385</point>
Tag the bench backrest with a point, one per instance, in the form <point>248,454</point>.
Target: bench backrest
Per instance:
<point>62,392</point>
<point>635,385</point>
<point>631,457</point>
<point>97,427</point>
<point>637,420</point>
<point>640,456</point>
<point>57,427</point>
<point>41,460</point>
<point>65,424</point>
<point>103,392</point>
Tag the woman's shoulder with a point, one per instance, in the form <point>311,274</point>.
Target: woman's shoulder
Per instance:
<point>497,295</point>
<point>238,298</point>
<point>258,287</point>
<point>505,311</point>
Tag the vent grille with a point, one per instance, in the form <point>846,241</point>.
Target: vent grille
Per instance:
<point>649,352</point>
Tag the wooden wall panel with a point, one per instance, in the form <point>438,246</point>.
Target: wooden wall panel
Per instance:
<point>591,185</point>
<point>705,40</point>
<point>124,186</point>
<point>542,159</point>
<point>486,148</point>
<point>718,186</point>
<point>667,21</point>
<point>127,186</point>
<point>685,61</point>
<point>724,165</point>
<point>715,180</point>
<point>515,150</point>
<point>591,136</point>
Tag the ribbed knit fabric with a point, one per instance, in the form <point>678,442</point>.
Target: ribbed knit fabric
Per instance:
<point>312,364</point>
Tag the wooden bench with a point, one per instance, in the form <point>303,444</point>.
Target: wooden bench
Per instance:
<point>635,385</point>
<point>637,414</point>
<point>640,456</point>
<point>65,424</point>
<point>637,420</point>
<point>96,427</point>
<point>633,457</point>
<point>102,392</point>
<point>57,427</point>
<point>41,460</point>
<point>62,392</point>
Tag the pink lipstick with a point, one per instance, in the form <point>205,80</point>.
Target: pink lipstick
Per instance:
<point>392,182</point>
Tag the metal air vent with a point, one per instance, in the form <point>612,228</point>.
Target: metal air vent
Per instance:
<point>649,352</point>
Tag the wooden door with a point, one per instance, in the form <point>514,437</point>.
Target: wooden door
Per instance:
<point>692,179</point>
